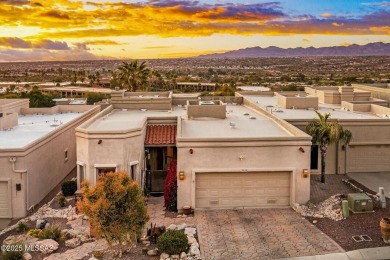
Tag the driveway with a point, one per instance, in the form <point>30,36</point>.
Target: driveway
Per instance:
<point>373,180</point>
<point>259,234</point>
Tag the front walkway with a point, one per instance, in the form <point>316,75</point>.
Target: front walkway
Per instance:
<point>249,233</point>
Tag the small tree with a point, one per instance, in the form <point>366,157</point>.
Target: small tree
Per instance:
<point>324,133</point>
<point>115,208</point>
<point>170,188</point>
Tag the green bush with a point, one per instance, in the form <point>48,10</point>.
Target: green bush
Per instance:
<point>61,201</point>
<point>34,232</point>
<point>22,226</point>
<point>172,242</point>
<point>69,188</point>
<point>12,255</point>
<point>51,232</point>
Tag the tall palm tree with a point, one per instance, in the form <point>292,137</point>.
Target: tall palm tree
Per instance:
<point>324,133</point>
<point>133,75</point>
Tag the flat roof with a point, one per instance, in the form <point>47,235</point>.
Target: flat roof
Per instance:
<point>336,111</point>
<point>33,127</point>
<point>243,126</point>
<point>260,127</point>
<point>80,89</point>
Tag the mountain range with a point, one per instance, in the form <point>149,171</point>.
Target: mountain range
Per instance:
<point>371,49</point>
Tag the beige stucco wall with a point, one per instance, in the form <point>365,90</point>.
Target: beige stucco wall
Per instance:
<point>215,111</point>
<point>45,163</point>
<point>376,92</point>
<point>8,120</point>
<point>142,100</point>
<point>290,101</point>
<point>258,156</point>
<point>13,105</point>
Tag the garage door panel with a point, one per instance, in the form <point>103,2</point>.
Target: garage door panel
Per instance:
<point>368,158</point>
<point>4,200</point>
<point>229,190</point>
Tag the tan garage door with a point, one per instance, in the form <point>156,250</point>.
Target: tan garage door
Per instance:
<point>368,158</point>
<point>242,189</point>
<point>4,200</point>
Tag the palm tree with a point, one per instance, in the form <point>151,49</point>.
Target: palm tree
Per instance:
<point>324,133</point>
<point>133,75</point>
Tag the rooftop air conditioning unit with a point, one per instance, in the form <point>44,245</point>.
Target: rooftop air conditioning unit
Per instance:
<point>206,103</point>
<point>359,202</point>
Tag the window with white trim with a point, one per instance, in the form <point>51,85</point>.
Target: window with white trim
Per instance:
<point>133,170</point>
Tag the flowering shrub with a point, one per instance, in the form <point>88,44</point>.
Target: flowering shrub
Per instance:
<point>170,188</point>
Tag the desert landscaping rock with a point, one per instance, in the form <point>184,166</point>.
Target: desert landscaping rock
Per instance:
<point>329,208</point>
<point>27,256</point>
<point>80,252</point>
<point>153,252</point>
<point>183,255</point>
<point>20,240</point>
<point>164,256</point>
<point>175,257</point>
<point>47,246</point>
<point>190,231</point>
<point>181,226</point>
<point>72,243</point>
<point>172,227</point>
<point>194,251</point>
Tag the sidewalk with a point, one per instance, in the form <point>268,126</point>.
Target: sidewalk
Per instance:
<point>361,254</point>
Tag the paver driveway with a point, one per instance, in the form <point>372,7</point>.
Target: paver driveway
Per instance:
<point>259,234</point>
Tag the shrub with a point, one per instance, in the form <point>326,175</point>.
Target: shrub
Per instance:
<point>34,232</point>
<point>22,226</point>
<point>12,255</point>
<point>51,232</point>
<point>61,201</point>
<point>172,242</point>
<point>170,188</point>
<point>115,208</point>
<point>69,188</point>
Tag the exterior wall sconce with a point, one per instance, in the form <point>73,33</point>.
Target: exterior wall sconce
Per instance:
<point>181,176</point>
<point>305,173</point>
<point>191,151</point>
<point>100,141</point>
<point>241,157</point>
<point>301,149</point>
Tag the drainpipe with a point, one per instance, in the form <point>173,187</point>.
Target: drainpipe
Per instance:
<point>13,162</point>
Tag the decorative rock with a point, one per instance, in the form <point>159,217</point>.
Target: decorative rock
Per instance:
<point>164,256</point>
<point>72,243</point>
<point>191,240</point>
<point>27,256</point>
<point>183,255</point>
<point>172,227</point>
<point>20,240</point>
<point>73,233</point>
<point>93,258</point>
<point>41,223</point>
<point>175,257</point>
<point>190,231</point>
<point>47,246</point>
<point>181,226</point>
<point>315,221</point>
<point>33,218</point>
<point>195,244</point>
<point>153,252</point>
<point>47,225</point>
<point>194,251</point>
<point>85,217</point>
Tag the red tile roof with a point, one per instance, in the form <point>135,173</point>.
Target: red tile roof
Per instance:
<point>160,134</point>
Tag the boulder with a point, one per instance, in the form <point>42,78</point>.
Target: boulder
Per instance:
<point>191,240</point>
<point>194,251</point>
<point>183,255</point>
<point>41,223</point>
<point>72,243</point>
<point>164,256</point>
<point>20,240</point>
<point>175,257</point>
<point>47,246</point>
<point>190,231</point>
<point>27,256</point>
<point>172,227</point>
<point>153,252</point>
<point>181,226</point>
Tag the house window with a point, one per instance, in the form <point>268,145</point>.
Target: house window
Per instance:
<point>133,170</point>
<point>66,154</point>
<point>104,171</point>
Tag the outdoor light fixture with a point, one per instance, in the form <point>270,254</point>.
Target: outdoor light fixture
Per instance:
<point>191,151</point>
<point>301,149</point>
<point>181,175</point>
<point>305,173</point>
<point>100,141</point>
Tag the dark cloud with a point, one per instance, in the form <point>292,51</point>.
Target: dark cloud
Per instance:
<point>14,2</point>
<point>56,14</point>
<point>17,43</point>
<point>14,42</point>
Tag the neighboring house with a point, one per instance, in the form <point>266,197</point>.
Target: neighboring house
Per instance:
<point>367,118</point>
<point>196,86</point>
<point>37,151</point>
<point>231,155</point>
<point>72,91</point>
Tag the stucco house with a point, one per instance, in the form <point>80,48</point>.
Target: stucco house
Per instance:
<point>37,151</point>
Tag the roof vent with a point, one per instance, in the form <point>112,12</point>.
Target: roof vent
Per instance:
<point>246,114</point>
<point>143,109</point>
<point>252,117</point>
<point>232,125</point>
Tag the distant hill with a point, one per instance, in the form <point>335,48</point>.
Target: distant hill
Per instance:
<point>371,49</point>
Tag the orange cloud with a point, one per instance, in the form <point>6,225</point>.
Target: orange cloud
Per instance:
<point>327,15</point>
<point>306,40</point>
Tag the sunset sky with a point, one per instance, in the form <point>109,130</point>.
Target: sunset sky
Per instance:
<point>34,30</point>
